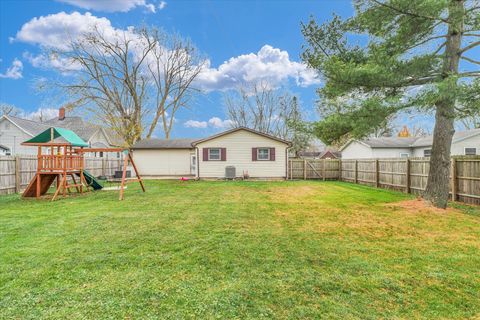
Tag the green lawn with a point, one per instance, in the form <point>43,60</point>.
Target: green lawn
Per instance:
<point>232,250</point>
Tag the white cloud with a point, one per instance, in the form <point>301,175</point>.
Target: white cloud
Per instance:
<point>162,5</point>
<point>111,5</point>
<point>269,65</point>
<point>195,124</point>
<point>51,61</point>
<point>219,123</point>
<point>213,122</point>
<point>15,70</point>
<point>58,30</point>
<point>55,30</point>
<point>41,114</point>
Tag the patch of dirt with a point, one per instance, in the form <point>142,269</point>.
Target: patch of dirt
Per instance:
<point>420,205</point>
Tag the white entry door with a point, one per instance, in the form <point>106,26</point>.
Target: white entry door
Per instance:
<point>193,164</point>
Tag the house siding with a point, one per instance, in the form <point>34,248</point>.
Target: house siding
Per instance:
<point>239,146</point>
<point>356,150</point>
<point>163,162</point>
<point>12,137</point>
<point>458,148</point>
<point>390,152</point>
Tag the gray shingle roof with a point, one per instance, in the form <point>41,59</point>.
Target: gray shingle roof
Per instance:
<point>389,142</point>
<point>32,127</point>
<point>82,128</point>
<point>164,144</point>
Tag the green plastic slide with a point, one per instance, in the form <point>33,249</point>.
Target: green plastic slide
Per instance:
<point>91,181</point>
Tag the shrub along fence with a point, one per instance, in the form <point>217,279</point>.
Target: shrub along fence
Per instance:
<point>403,174</point>
<point>17,171</point>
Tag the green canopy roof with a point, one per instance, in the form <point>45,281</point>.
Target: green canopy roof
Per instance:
<point>69,136</point>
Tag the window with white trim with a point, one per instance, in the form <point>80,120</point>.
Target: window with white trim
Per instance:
<point>427,152</point>
<point>214,154</point>
<point>404,155</point>
<point>470,151</point>
<point>263,154</point>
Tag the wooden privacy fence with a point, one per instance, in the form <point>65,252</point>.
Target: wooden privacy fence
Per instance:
<point>403,174</point>
<point>16,172</point>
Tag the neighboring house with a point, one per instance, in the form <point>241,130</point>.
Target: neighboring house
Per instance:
<point>326,154</point>
<point>15,130</point>
<point>252,153</point>
<point>463,143</point>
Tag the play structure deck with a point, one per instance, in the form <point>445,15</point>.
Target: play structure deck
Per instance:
<point>63,163</point>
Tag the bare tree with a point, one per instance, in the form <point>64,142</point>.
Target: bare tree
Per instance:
<point>9,110</point>
<point>108,78</point>
<point>268,110</point>
<point>131,79</point>
<point>173,64</point>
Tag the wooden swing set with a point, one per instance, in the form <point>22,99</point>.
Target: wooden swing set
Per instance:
<point>65,159</point>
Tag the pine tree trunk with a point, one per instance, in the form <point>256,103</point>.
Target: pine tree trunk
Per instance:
<point>439,175</point>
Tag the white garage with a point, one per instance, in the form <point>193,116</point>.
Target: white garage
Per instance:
<point>157,157</point>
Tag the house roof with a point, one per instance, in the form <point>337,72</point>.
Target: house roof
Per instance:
<point>4,147</point>
<point>238,129</point>
<point>84,129</point>
<point>411,142</point>
<point>164,144</point>
<point>66,135</point>
<point>389,142</point>
<point>336,154</point>
<point>29,126</point>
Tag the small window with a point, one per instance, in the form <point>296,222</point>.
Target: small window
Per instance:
<point>427,152</point>
<point>214,154</point>
<point>101,154</point>
<point>118,155</point>
<point>8,152</point>
<point>263,154</point>
<point>404,155</point>
<point>470,151</point>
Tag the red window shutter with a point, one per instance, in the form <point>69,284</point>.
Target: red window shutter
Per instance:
<point>272,154</point>
<point>205,154</point>
<point>223,152</point>
<point>254,154</point>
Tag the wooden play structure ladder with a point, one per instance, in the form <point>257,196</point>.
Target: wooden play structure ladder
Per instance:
<point>65,159</point>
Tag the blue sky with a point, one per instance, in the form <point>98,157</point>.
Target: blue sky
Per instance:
<point>222,30</point>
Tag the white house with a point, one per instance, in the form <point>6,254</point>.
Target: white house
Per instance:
<point>15,130</point>
<point>463,143</point>
<point>250,152</point>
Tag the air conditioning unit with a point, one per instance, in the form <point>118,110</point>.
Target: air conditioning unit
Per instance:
<point>230,172</point>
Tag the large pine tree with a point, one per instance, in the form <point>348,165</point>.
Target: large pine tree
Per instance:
<point>393,56</point>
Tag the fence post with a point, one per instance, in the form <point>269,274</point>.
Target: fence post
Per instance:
<point>18,177</point>
<point>305,169</point>
<point>291,169</point>
<point>454,179</point>
<point>324,173</point>
<point>356,171</point>
<point>377,174</point>
<point>339,169</point>
<point>103,167</point>
<point>407,164</point>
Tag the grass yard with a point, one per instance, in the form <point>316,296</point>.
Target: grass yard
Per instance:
<point>229,250</point>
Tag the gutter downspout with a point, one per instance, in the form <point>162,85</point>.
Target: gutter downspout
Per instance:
<point>197,173</point>
<point>286,160</point>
